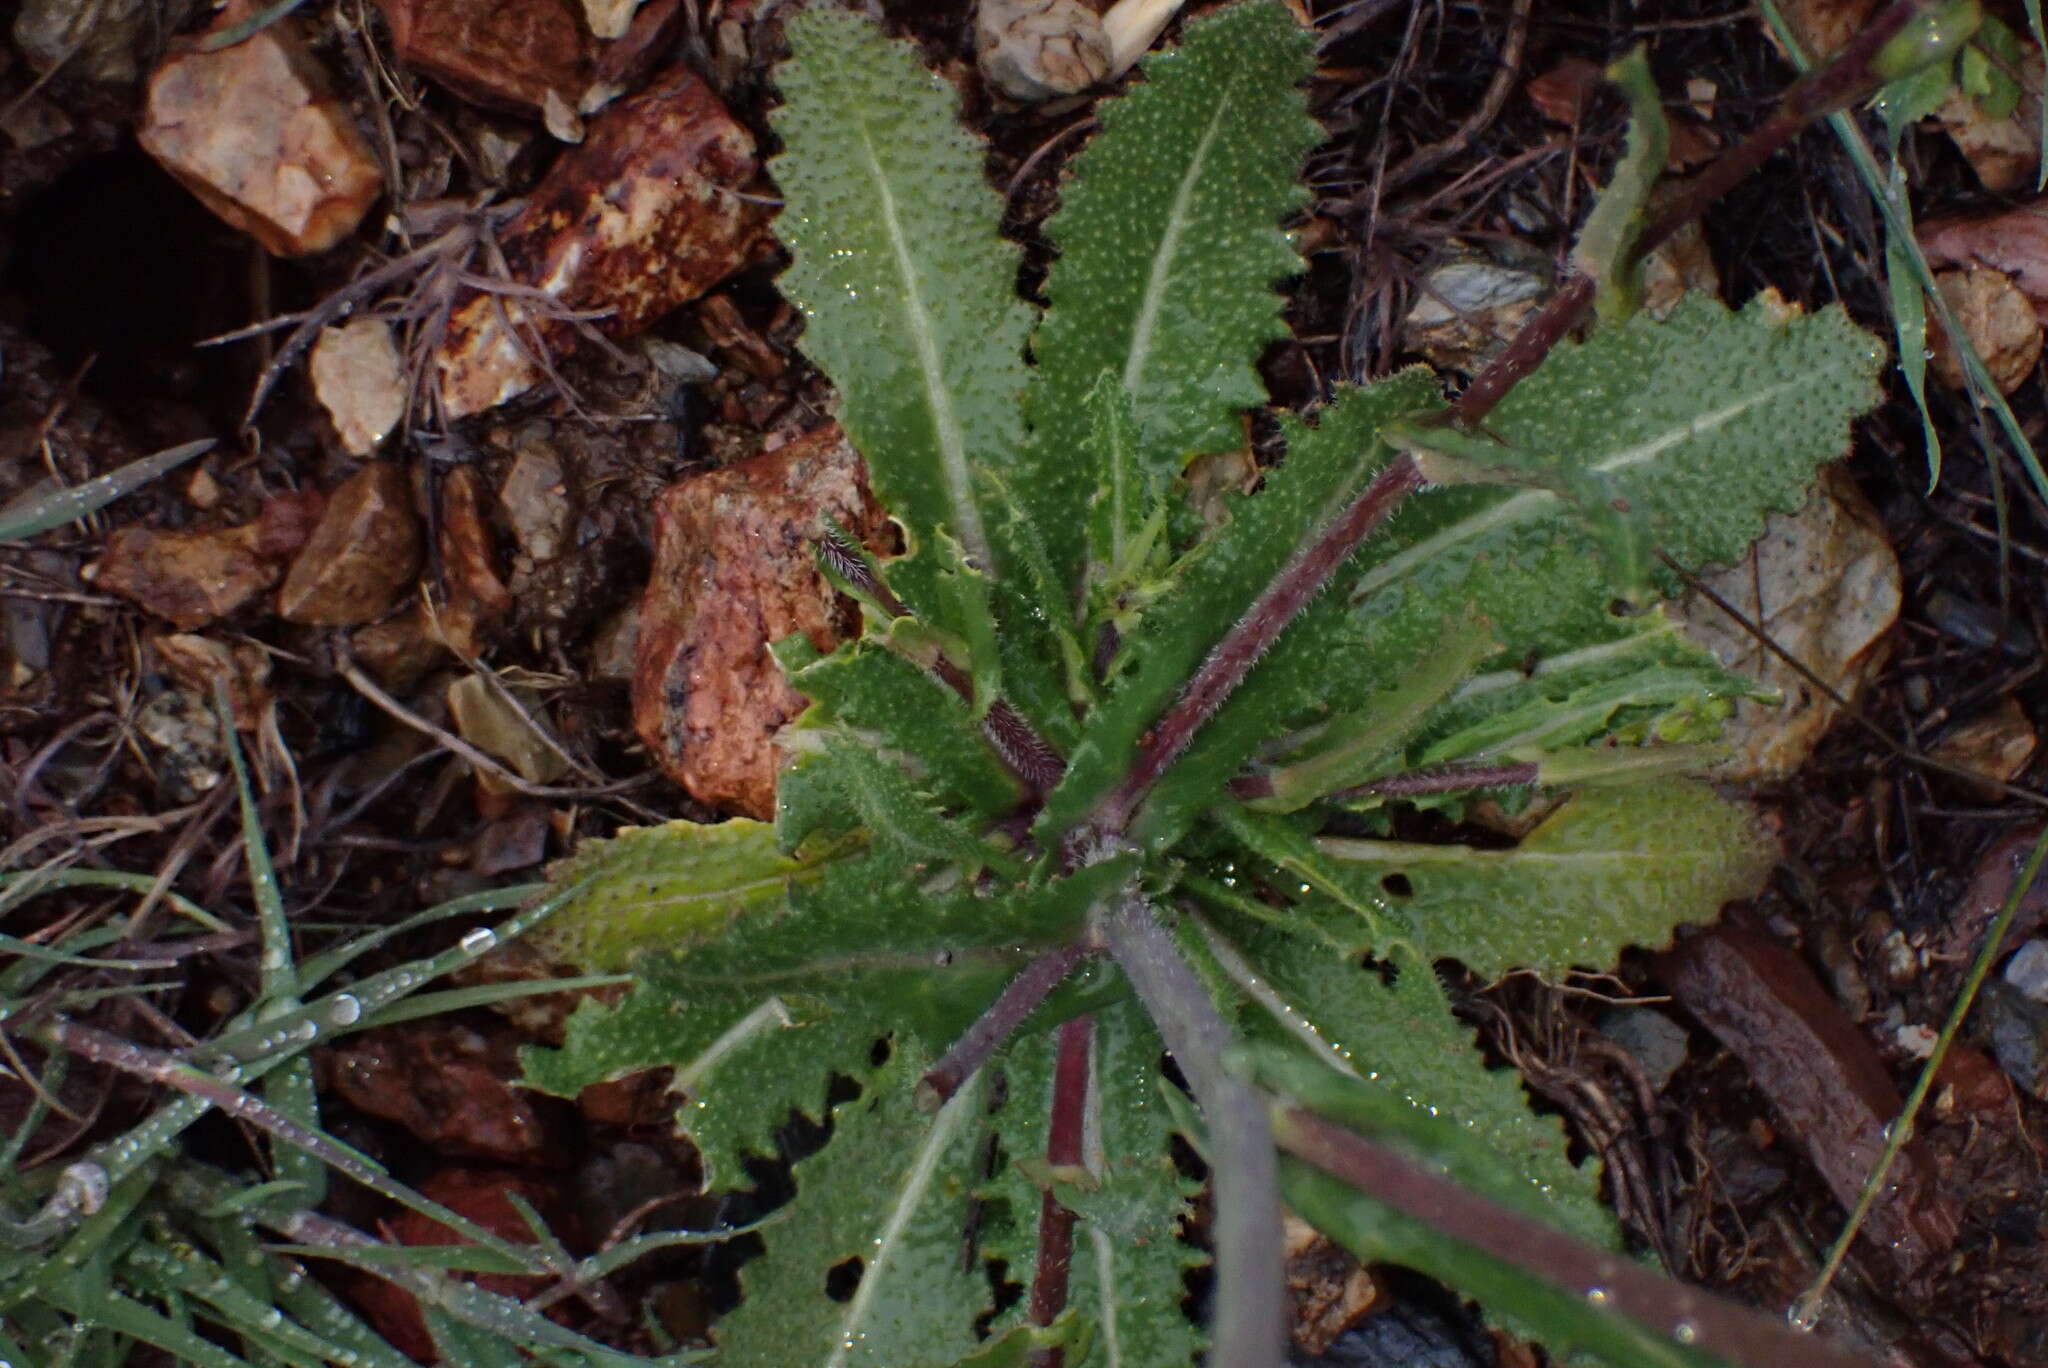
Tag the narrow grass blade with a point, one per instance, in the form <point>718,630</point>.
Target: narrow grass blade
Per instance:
<point>41,511</point>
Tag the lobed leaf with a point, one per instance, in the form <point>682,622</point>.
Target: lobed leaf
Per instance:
<point>1702,423</point>
<point>1216,583</point>
<point>669,885</point>
<point>887,1202</point>
<point>758,1019</point>
<point>882,696</point>
<point>1130,1265</point>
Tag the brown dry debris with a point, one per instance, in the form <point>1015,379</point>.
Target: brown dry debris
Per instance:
<point>1999,321</point>
<point>1823,1080</point>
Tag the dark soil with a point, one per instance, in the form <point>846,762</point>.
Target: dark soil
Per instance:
<point>110,272</point>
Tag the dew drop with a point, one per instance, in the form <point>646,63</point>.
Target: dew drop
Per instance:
<point>345,1010</point>
<point>1685,1332</point>
<point>479,940</point>
<point>1599,1297</point>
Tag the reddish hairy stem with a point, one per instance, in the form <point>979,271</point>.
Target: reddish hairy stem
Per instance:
<point>1409,783</point>
<point>1233,657</point>
<point>1030,757</point>
<point>1443,779</point>
<point>1062,1150</point>
<point>1846,77</point>
<point>1722,1329</point>
<point>1033,984</point>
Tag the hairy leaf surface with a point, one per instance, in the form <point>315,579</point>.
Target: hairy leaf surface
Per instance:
<point>1614,867</point>
<point>1402,1038</point>
<point>1702,424</point>
<point>668,885</point>
<point>890,1196</point>
<point>1217,582</point>
<point>900,269</point>
<point>1169,248</point>
<point>756,1020</point>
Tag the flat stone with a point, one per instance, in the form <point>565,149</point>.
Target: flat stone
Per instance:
<point>364,552</point>
<point>499,54</point>
<point>359,380</point>
<point>398,651</point>
<point>536,499</point>
<point>637,219</point>
<point>734,570</point>
<point>186,578</point>
<point>254,131</point>
<point>2027,971</point>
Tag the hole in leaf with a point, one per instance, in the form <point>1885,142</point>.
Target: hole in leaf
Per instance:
<point>843,1280</point>
<point>1397,885</point>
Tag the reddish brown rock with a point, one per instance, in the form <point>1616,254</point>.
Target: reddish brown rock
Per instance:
<point>362,554</point>
<point>514,55</point>
<point>477,600</point>
<point>186,578</point>
<point>287,521</point>
<point>484,1196</point>
<point>1824,1082</point>
<point>399,650</point>
<point>254,131</point>
<point>447,1084</point>
<point>734,570</point>
<point>638,219</point>
<point>504,55</point>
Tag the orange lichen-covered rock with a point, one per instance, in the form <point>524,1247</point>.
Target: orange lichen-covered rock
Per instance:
<point>735,569</point>
<point>254,131</point>
<point>639,218</point>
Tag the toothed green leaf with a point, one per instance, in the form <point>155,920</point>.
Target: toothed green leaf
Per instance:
<point>756,1019</point>
<point>1615,867</point>
<point>883,697</point>
<point>844,785</point>
<point>1606,249</point>
<point>1170,247</point>
<point>1401,1040</point>
<point>1704,422</point>
<point>669,885</point>
<point>901,270</point>
<point>885,1205</point>
<point>1654,682</point>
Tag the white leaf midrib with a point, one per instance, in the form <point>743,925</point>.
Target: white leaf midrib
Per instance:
<point>1530,502</point>
<point>1159,279</point>
<point>911,1196</point>
<point>938,395</point>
